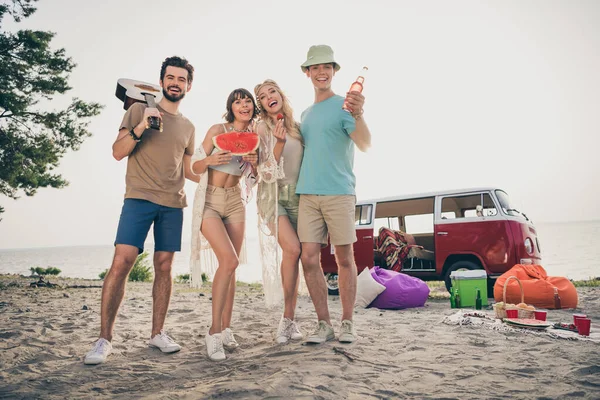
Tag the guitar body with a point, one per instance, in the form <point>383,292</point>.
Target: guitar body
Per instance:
<point>130,91</point>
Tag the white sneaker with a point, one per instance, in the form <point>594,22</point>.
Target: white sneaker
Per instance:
<point>164,342</point>
<point>228,339</point>
<point>214,346</point>
<point>347,333</point>
<point>102,348</point>
<point>322,333</point>
<point>287,330</point>
<point>295,333</point>
<point>283,331</point>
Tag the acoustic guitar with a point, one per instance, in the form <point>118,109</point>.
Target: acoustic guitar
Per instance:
<point>130,91</point>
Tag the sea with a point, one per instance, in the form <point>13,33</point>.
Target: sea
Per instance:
<point>570,249</point>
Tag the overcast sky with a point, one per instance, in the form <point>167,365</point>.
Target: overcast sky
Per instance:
<point>459,94</point>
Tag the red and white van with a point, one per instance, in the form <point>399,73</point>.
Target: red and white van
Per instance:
<point>457,229</point>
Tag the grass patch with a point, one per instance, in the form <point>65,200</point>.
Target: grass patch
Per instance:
<point>592,282</point>
<point>141,271</point>
<point>45,271</point>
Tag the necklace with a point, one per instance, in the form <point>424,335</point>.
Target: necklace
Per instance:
<point>233,128</point>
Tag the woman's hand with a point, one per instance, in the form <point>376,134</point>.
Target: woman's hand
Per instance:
<point>252,158</point>
<point>219,158</point>
<point>279,132</point>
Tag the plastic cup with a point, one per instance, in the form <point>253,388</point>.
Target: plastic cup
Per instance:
<point>512,313</point>
<point>577,317</point>
<point>540,315</point>
<point>583,326</point>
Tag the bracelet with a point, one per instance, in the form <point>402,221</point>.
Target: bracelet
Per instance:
<point>134,136</point>
<point>359,115</point>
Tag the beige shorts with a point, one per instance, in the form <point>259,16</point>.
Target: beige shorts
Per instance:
<point>288,204</point>
<point>224,203</point>
<point>322,215</point>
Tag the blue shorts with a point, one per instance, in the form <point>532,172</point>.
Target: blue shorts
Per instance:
<point>136,218</point>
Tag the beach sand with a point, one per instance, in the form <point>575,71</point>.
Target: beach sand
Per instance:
<point>44,334</point>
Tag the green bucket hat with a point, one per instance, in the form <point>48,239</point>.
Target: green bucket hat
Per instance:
<point>319,54</point>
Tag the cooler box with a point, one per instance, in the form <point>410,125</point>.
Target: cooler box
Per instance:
<point>467,283</point>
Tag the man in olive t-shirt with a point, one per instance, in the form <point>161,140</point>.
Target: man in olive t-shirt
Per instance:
<point>157,164</point>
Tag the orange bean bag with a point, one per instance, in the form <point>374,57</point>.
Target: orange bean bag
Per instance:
<point>538,287</point>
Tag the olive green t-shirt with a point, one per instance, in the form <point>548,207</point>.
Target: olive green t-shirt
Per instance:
<point>155,170</point>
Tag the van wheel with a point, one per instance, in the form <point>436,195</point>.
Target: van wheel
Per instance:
<point>332,284</point>
<point>459,266</point>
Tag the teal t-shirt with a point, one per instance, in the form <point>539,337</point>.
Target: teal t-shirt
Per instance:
<point>329,152</point>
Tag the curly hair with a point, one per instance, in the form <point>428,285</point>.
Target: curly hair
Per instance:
<point>291,126</point>
<point>240,93</point>
<point>178,62</point>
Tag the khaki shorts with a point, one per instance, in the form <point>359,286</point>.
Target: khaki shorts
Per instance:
<point>322,215</point>
<point>288,204</point>
<point>224,203</point>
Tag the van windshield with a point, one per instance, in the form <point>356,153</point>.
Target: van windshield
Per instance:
<point>506,206</point>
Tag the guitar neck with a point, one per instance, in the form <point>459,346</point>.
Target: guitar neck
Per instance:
<point>150,99</point>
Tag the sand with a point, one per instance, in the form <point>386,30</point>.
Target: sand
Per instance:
<point>44,334</point>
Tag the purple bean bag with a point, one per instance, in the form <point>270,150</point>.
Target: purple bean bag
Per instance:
<point>401,290</point>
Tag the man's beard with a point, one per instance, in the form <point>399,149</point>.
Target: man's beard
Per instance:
<point>173,99</point>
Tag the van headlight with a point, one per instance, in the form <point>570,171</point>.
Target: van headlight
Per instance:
<point>529,246</point>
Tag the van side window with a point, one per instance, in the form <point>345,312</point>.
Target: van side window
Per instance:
<point>422,223</point>
<point>363,214</point>
<point>388,222</point>
<point>472,206</point>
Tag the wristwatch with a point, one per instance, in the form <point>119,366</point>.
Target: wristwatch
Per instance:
<point>134,136</point>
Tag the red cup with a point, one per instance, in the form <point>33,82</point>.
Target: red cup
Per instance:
<point>512,313</point>
<point>583,326</point>
<point>577,317</point>
<point>540,315</point>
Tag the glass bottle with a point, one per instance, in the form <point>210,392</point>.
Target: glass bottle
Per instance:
<point>478,300</point>
<point>457,299</point>
<point>556,299</point>
<point>356,86</point>
<point>452,300</point>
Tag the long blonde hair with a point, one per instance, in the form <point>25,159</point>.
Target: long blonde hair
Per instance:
<point>291,126</point>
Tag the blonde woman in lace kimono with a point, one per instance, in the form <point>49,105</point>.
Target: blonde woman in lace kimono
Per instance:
<point>280,157</point>
<point>222,219</point>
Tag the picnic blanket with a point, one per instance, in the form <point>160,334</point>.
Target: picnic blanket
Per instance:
<point>488,321</point>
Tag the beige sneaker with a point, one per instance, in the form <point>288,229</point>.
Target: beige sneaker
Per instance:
<point>323,332</point>
<point>347,333</point>
<point>214,346</point>
<point>228,339</point>
<point>295,333</point>
<point>283,331</point>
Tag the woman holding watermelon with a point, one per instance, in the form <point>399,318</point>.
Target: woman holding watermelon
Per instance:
<point>281,150</point>
<point>219,216</point>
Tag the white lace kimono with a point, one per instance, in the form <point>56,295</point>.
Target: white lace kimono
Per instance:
<point>202,258</point>
<point>269,172</point>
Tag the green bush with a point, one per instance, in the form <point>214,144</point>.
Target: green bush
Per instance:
<point>204,277</point>
<point>44,271</point>
<point>141,271</point>
<point>183,278</point>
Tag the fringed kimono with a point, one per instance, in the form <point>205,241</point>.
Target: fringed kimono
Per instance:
<point>269,172</point>
<point>202,258</point>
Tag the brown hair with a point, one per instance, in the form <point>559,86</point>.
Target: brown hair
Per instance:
<point>178,62</point>
<point>240,93</point>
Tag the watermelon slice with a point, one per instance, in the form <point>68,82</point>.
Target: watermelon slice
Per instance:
<point>238,143</point>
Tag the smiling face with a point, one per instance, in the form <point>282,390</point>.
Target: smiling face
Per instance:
<point>270,99</point>
<point>321,75</point>
<point>242,109</point>
<point>175,83</point>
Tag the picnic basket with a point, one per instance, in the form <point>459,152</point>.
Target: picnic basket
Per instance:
<point>500,308</point>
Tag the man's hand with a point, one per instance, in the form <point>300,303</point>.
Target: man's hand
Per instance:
<point>149,112</point>
<point>355,103</point>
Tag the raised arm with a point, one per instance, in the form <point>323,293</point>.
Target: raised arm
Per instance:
<point>126,142</point>
<point>361,135</point>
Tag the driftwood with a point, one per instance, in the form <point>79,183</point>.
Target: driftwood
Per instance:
<point>344,353</point>
<point>43,283</point>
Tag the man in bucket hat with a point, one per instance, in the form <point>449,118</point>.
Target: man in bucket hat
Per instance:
<point>326,188</point>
